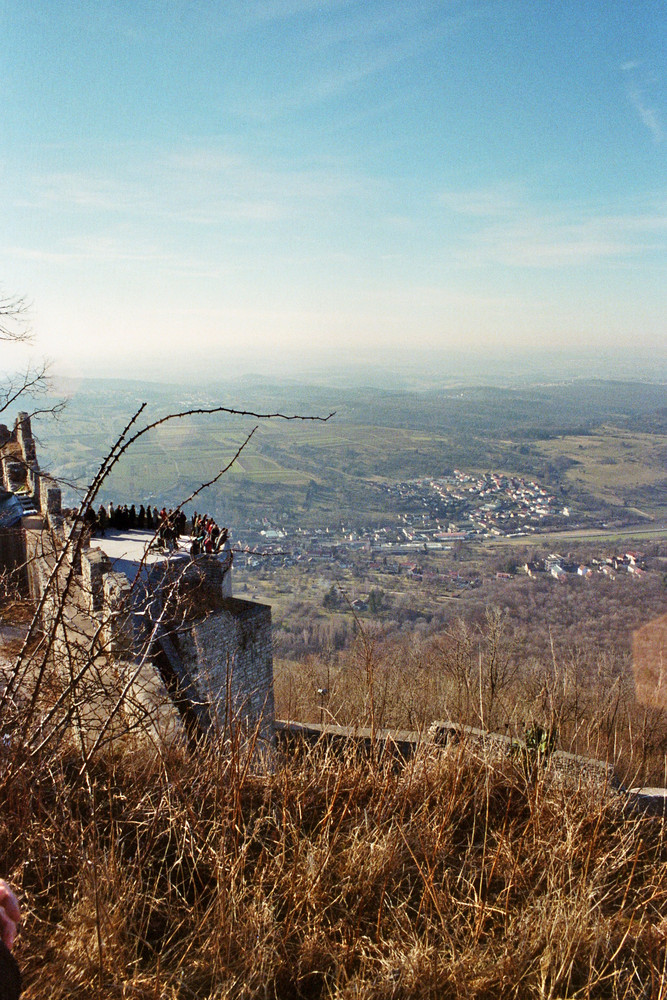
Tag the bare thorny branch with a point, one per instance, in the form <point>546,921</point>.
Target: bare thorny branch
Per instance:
<point>27,383</point>
<point>14,319</point>
<point>34,380</point>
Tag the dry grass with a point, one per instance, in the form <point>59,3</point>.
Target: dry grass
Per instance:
<point>477,675</point>
<point>175,875</point>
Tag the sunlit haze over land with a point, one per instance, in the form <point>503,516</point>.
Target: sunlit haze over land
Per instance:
<point>207,188</point>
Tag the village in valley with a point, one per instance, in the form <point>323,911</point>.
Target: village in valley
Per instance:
<point>430,514</point>
<point>413,523</point>
<point>430,519</point>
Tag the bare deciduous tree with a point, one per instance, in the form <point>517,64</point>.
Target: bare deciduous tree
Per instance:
<point>14,319</point>
<point>33,380</point>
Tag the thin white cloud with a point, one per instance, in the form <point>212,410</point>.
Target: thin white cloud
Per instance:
<point>199,184</point>
<point>95,192</point>
<point>637,85</point>
<point>114,249</point>
<point>353,43</point>
<point>202,159</point>
<point>496,227</point>
<point>649,115</point>
<point>498,200</point>
<point>273,11</point>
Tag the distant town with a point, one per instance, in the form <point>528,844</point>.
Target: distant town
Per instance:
<point>433,516</point>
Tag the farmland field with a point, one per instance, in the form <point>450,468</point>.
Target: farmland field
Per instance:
<point>618,466</point>
<point>602,446</point>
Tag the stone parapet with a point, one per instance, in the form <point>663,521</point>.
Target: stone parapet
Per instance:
<point>579,766</point>
<point>20,470</point>
<point>39,560</point>
<point>56,523</point>
<point>50,496</point>
<point>397,744</point>
<point>652,801</point>
<point>118,628</point>
<point>478,743</point>
<point>205,580</point>
<point>229,659</point>
<point>448,733</point>
<point>95,564</point>
<point>26,442</point>
<point>14,474</point>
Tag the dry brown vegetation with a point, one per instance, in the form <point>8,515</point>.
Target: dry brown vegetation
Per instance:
<point>171,874</point>
<point>478,673</point>
<point>155,868</point>
<point>152,868</point>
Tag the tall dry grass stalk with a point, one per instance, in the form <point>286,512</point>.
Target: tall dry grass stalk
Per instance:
<point>175,874</point>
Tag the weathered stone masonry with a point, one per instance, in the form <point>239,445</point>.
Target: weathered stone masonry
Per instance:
<point>229,658</point>
<point>215,648</point>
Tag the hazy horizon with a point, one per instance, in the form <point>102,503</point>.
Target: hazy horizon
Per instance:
<point>403,369</point>
<point>260,186</point>
<point>407,370</point>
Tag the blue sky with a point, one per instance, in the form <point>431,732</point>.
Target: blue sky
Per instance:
<point>199,185</point>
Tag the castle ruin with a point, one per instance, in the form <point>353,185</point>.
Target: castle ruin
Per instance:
<point>163,629</point>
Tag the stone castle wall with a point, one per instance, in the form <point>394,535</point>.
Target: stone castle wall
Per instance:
<point>20,472</point>
<point>229,658</point>
<point>219,650</point>
<point>18,461</point>
<point>218,655</point>
<point>22,548</point>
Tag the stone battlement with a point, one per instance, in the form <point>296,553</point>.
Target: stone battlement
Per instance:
<point>20,473</point>
<point>165,626</point>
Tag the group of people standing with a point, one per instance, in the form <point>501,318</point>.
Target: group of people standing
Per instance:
<point>207,537</point>
<point>124,518</point>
